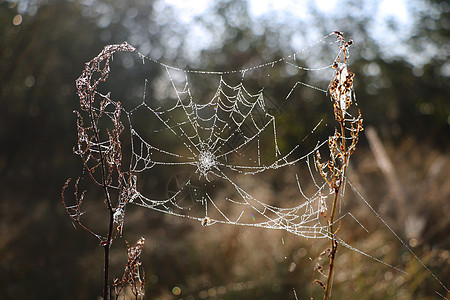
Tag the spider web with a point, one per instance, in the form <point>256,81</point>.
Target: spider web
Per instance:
<point>206,154</point>
<point>205,157</point>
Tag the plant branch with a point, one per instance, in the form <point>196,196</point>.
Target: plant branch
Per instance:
<point>106,245</point>
<point>333,171</point>
<point>105,154</point>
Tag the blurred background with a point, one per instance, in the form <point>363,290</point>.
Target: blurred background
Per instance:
<point>401,61</point>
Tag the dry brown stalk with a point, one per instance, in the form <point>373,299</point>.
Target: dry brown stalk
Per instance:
<point>387,167</point>
<point>101,153</point>
<point>341,145</point>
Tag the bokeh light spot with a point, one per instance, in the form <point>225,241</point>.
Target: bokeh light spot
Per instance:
<point>17,20</point>
<point>176,291</point>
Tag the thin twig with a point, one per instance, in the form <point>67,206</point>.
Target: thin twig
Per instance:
<point>106,245</point>
<point>94,155</point>
<point>333,247</point>
<point>333,171</point>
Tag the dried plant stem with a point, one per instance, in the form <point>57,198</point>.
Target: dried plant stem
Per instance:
<point>333,170</point>
<point>387,168</point>
<point>101,150</point>
<point>333,247</point>
<point>106,245</point>
<point>334,244</point>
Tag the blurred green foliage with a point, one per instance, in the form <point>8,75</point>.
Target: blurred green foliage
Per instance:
<point>43,257</point>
